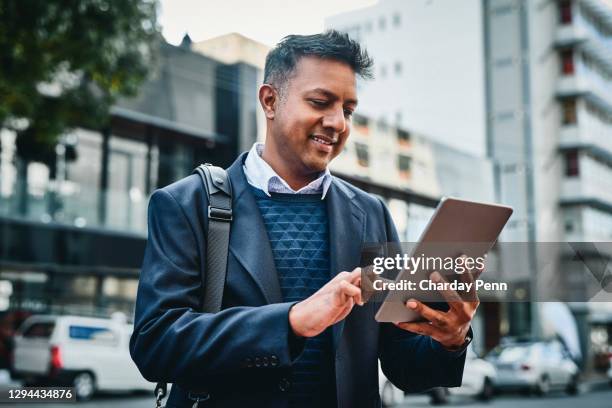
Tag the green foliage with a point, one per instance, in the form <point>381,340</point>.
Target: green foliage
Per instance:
<point>64,62</point>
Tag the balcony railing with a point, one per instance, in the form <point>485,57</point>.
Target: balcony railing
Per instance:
<point>588,82</point>
<point>594,184</point>
<point>587,224</point>
<point>582,34</point>
<point>589,131</point>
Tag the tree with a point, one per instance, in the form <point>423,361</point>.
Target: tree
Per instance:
<point>64,62</point>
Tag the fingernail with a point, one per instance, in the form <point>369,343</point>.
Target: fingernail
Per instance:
<point>435,277</point>
<point>411,304</point>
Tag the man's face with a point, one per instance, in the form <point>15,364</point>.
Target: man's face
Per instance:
<point>312,120</point>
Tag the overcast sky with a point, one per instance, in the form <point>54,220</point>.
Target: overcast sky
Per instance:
<point>265,21</point>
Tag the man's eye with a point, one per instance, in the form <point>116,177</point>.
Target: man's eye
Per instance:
<point>348,113</point>
<point>318,102</point>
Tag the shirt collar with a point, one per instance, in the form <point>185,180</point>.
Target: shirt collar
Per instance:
<point>259,174</point>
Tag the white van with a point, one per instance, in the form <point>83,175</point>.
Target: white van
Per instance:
<point>87,353</point>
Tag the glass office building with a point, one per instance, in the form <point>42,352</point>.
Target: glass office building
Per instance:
<point>73,228</point>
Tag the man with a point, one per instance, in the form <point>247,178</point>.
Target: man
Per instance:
<point>294,330</point>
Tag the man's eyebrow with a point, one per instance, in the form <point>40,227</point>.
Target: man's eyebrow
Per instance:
<point>332,95</point>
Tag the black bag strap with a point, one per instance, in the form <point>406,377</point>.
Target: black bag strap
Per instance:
<point>219,192</point>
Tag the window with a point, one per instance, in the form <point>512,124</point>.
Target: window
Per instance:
<point>598,114</point>
<point>404,164</point>
<point>595,66</point>
<point>85,172</point>
<point>571,163</point>
<point>382,23</point>
<point>359,120</point>
<point>397,20</point>
<point>403,137</point>
<point>126,195</point>
<point>361,125</point>
<point>567,62</point>
<point>41,330</point>
<point>594,19</point>
<point>565,12</point>
<point>382,124</point>
<point>363,157</point>
<point>569,111</point>
<point>398,68</point>
<point>355,33</point>
<point>100,335</point>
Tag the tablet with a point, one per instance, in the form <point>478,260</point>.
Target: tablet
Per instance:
<point>457,227</point>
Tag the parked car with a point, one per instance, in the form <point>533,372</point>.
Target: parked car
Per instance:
<point>89,354</point>
<point>610,371</point>
<point>479,378</point>
<point>390,395</point>
<point>535,366</point>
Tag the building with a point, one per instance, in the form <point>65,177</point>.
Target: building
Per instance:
<point>546,113</point>
<point>73,231</point>
<point>428,67</point>
<point>379,156</point>
<point>235,48</point>
<point>549,119</point>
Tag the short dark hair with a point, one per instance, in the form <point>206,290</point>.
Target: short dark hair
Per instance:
<point>332,44</point>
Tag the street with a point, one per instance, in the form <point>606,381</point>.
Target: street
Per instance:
<point>592,399</point>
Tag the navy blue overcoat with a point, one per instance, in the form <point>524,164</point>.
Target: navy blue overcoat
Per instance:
<point>241,355</point>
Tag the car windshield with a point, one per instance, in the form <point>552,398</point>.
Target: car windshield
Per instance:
<point>517,352</point>
<point>39,330</point>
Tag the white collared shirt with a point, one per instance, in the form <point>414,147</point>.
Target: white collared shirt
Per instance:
<point>260,175</point>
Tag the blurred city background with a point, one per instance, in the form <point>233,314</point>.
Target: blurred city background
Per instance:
<point>495,100</point>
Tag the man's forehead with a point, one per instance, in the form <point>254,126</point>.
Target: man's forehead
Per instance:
<point>324,75</point>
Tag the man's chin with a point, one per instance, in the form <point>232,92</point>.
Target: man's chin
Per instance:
<point>317,166</point>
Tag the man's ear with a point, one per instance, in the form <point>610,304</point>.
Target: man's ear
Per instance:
<point>268,97</point>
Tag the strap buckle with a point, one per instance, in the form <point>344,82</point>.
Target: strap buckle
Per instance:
<point>160,393</point>
<point>219,214</point>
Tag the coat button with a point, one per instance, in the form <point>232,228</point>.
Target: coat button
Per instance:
<point>257,362</point>
<point>284,384</point>
<point>274,360</point>
<point>266,362</point>
<point>249,362</point>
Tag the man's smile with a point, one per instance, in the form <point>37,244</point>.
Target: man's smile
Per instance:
<point>323,143</point>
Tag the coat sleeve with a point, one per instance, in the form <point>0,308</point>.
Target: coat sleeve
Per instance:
<point>411,361</point>
<point>172,342</point>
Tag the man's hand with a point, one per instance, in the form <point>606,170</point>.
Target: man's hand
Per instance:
<point>448,328</point>
<point>330,304</point>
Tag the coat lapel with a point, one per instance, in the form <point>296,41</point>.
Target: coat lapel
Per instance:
<point>346,234</point>
<point>250,243</point>
<point>251,246</point>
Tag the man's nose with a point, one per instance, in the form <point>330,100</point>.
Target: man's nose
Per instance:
<point>335,120</point>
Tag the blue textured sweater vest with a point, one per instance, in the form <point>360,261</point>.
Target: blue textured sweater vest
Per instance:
<point>298,230</point>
